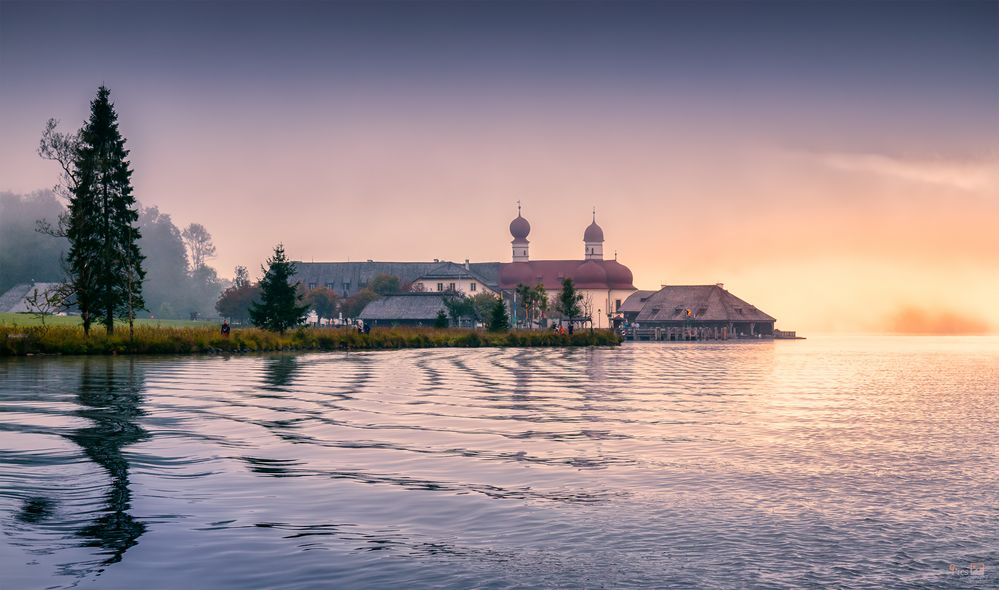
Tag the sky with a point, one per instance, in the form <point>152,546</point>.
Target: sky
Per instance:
<point>834,163</point>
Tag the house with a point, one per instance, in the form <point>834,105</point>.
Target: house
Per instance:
<point>15,300</point>
<point>634,304</point>
<point>405,309</point>
<point>696,311</point>
<point>458,278</point>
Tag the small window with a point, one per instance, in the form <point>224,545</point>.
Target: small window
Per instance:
<point>329,286</point>
<point>450,287</point>
<point>471,287</point>
<point>440,286</point>
<point>617,304</point>
<point>312,286</point>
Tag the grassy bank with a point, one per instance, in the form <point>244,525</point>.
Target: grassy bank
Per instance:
<point>27,319</point>
<point>60,339</point>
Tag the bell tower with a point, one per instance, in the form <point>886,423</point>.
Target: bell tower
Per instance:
<point>593,240</point>
<point>519,229</point>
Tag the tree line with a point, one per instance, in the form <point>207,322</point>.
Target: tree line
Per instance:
<point>173,289</point>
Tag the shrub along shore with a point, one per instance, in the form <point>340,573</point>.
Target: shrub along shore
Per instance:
<point>32,340</point>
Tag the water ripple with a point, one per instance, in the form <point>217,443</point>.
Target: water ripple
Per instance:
<point>854,463</point>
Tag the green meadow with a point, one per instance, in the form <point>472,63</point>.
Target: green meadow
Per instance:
<point>27,319</point>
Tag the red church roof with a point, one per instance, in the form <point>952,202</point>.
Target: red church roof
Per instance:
<point>585,274</point>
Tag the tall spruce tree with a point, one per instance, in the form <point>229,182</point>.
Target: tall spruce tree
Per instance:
<point>104,261</point>
<point>568,301</point>
<point>279,307</point>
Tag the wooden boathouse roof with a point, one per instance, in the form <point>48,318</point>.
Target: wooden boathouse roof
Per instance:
<point>707,303</point>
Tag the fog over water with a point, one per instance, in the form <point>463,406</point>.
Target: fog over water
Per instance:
<point>855,462</point>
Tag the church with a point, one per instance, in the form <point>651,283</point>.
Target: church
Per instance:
<point>604,284</point>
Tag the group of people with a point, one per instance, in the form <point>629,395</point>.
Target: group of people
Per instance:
<point>560,329</point>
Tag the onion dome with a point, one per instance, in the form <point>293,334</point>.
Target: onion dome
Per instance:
<point>517,273</point>
<point>590,274</point>
<point>593,233</point>
<point>519,227</point>
<point>618,275</point>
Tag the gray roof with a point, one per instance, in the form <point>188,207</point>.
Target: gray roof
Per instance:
<point>14,299</point>
<point>635,302</point>
<point>707,303</point>
<point>354,276</point>
<point>405,306</point>
<point>451,270</point>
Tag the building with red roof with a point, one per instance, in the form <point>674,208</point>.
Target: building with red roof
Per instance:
<point>604,284</point>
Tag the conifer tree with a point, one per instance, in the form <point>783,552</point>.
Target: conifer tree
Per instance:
<point>279,307</point>
<point>104,260</point>
<point>568,301</point>
<point>499,320</point>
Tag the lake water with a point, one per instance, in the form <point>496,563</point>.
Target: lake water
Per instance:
<point>865,462</point>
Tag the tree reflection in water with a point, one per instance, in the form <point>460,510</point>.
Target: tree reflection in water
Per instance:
<point>280,372</point>
<point>110,397</point>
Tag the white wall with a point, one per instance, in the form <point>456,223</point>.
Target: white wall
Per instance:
<point>460,285</point>
<point>600,301</point>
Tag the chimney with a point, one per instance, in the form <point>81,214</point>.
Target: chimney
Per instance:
<point>720,285</point>
<point>466,264</point>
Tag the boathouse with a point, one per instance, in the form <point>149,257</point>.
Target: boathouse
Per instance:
<point>693,312</point>
<point>404,309</point>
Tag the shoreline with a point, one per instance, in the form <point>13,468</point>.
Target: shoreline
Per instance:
<point>21,341</point>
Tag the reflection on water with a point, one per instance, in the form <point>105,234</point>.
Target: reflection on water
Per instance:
<point>279,372</point>
<point>857,463</point>
<point>67,504</point>
<point>111,403</point>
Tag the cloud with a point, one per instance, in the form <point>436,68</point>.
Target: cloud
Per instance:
<point>914,320</point>
<point>964,175</point>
